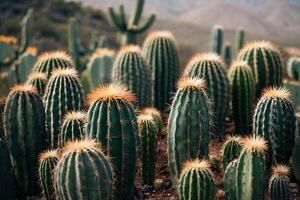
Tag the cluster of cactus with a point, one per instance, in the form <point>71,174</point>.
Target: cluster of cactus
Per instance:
<point>293,68</point>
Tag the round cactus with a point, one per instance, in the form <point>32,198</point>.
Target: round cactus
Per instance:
<point>156,116</point>
<point>230,180</point>
<point>279,183</point>
<point>230,150</point>
<point>39,81</point>
<point>293,68</point>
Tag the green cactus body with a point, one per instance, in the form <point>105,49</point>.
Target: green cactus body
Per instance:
<point>227,54</point>
<point>24,122</point>
<point>242,91</point>
<point>148,132</point>
<point>251,169</point>
<point>48,62</point>
<point>39,81</point>
<point>25,64</point>
<point>156,116</point>
<point>161,52</point>
<point>130,69</point>
<point>188,125</point>
<point>75,47</point>
<point>274,119</point>
<point>230,150</point>
<point>111,119</point>
<point>197,181</point>
<point>296,152</point>
<point>217,40</point>
<point>63,94</point>
<point>47,163</point>
<point>84,172</point>
<point>293,68</point>
<point>7,51</point>
<point>230,180</point>
<point>210,67</point>
<point>279,183</point>
<point>239,40</point>
<point>266,64</point>
<point>72,127</point>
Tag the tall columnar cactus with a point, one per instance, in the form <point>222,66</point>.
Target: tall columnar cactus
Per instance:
<point>129,28</point>
<point>231,150</point>
<point>210,67</point>
<point>197,181</point>
<point>73,127</point>
<point>161,52</point>
<point>293,68</point>
<point>84,172</point>
<point>50,61</point>
<point>216,41</point>
<point>24,122</point>
<point>296,152</point>
<point>148,133</point>
<point>130,69</point>
<point>63,94</point>
<point>112,121</point>
<point>227,54</point>
<point>279,183</point>
<point>47,163</point>
<point>230,180</point>
<point>188,125</point>
<point>266,64</point>
<point>156,116</point>
<point>39,81</point>
<point>242,91</point>
<point>239,40</point>
<point>274,119</point>
<point>25,63</point>
<point>251,169</point>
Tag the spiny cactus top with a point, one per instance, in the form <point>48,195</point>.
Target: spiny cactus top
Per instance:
<point>157,117</point>
<point>38,80</point>
<point>279,183</point>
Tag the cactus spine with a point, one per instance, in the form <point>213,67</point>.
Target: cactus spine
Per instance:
<point>227,54</point>
<point>83,172</point>
<point>130,69</point>
<point>197,181</point>
<point>242,91</point>
<point>279,183</point>
<point>156,116</point>
<point>239,39</point>
<point>63,94</point>
<point>293,68</point>
<point>24,122</point>
<point>47,163</point>
<point>266,64</point>
<point>251,169</point>
<point>161,52</point>
<point>188,125</point>
<point>274,119</point>
<point>39,81</point>
<point>230,180</point>
<point>112,120</point>
<point>230,150</point>
<point>217,40</point>
<point>211,68</point>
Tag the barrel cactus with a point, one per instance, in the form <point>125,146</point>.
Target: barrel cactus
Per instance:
<point>230,180</point>
<point>111,119</point>
<point>274,119</point>
<point>39,81</point>
<point>188,125</point>
<point>156,116</point>
<point>216,41</point>
<point>161,52</point>
<point>279,183</point>
<point>83,172</point>
<point>231,150</point>
<point>210,67</point>
<point>293,68</point>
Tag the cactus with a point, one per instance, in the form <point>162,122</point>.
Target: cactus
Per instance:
<point>50,61</point>
<point>47,163</point>
<point>148,132</point>
<point>63,94</point>
<point>156,116</point>
<point>129,28</point>
<point>227,54</point>
<point>130,69</point>
<point>197,181</point>
<point>231,150</point>
<point>239,40</point>
<point>251,169</point>
<point>230,180</point>
<point>72,127</point>
<point>266,64</point>
<point>83,172</point>
<point>39,81</point>
<point>293,68</point>
<point>216,41</point>
<point>210,67</point>
<point>296,151</point>
<point>112,120</point>
<point>274,119</point>
<point>161,52</point>
<point>25,63</point>
<point>242,91</point>
<point>188,125</point>
<point>279,183</point>
<point>24,122</point>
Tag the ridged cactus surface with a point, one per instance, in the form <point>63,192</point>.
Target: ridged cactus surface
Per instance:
<point>25,64</point>
<point>39,81</point>
<point>156,116</point>
<point>293,68</point>
<point>230,180</point>
<point>239,40</point>
<point>279,183</point>
<point>217,39</point>
<point>231,150</point>
<point>227,54</point>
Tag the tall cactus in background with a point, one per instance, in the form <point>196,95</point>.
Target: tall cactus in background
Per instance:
<point>296,151</point>
<point>84,172</point>
<point>112,121</point>
<point>63,94</point>
<point>197,181</point>
<point>227,54</point>
<point>39,81</point>
<point>230,180</point>
<point>293,68</point>
<point>24,122</point>
<point>274,119</point>
<point>129,28</point>
<point>188,125</point>
<point>25,63</point>
<point>266,64</point>
<point>239,40</point>
<point>242,91</point>
<point>231,150</point>
<point>161,53</point>
<point>251,169</point>
<point>216,41</point>
<point>210,67</point>
<point>131,69</point>
<point>279,183</point>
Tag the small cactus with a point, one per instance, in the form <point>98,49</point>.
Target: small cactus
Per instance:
<point>39,81</point>
<point>239,39</point>
<point>156,116</point>
<point>231,150</point>
<point>227,54</point>
<point>293,68</point>
<point>279,183</point>
<point>230,180</point>
<point>217,39</point>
